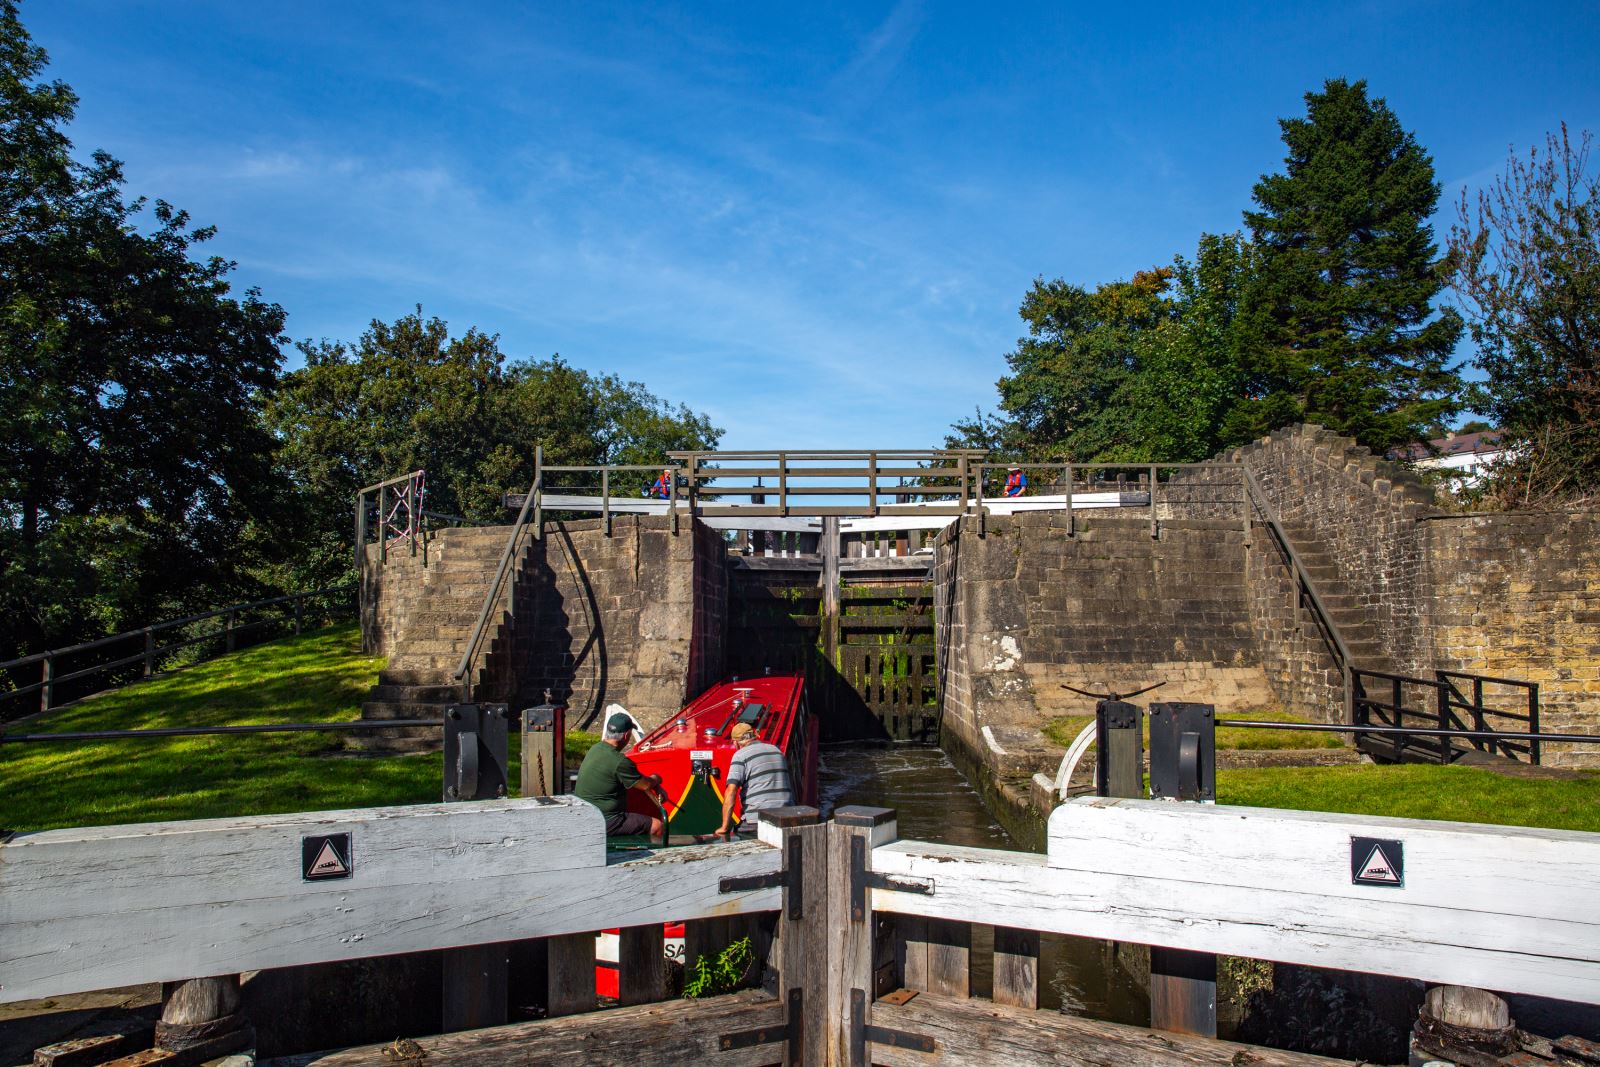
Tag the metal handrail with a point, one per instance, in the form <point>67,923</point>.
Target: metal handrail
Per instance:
<point>1308,587</point>
<point>530,501</point>
<point>1406,731</point>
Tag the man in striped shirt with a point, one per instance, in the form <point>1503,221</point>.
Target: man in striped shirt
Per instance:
<point>761,772</point>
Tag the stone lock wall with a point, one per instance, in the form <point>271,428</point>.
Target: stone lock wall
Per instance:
<point>1027,608</point>
<point>636,617</point>
<point>1518,596</point>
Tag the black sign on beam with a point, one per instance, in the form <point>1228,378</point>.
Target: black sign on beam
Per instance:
<point>1378,861</point>
<point>325,856</point>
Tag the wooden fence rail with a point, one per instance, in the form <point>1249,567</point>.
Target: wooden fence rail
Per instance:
<point>874,950</point>
<point>290,612</point>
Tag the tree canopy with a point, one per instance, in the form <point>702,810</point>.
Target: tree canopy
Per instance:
<point>1527,263</point>
<point>407,396</point>
<point>1323,313</point>
<point>1349,272</point>
<point>128,377</point>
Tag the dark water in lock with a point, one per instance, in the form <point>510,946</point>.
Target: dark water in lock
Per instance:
<point>933,802</point>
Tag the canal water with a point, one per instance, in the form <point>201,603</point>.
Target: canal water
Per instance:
<point>934,802</point>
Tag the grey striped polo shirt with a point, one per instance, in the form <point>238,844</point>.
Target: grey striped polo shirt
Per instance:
<point>764,772</point>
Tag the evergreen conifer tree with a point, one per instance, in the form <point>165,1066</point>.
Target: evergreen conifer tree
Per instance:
<point>1348,274</point>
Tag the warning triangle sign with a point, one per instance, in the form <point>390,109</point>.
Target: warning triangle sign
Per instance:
<point>328,863</point>
<point>1378,868</point>
<point>325,856</point>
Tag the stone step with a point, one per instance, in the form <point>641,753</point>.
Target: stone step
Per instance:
<point>411,661</point>
<point>413,694</point>
<point>401,675</point>
<point>382,709</point>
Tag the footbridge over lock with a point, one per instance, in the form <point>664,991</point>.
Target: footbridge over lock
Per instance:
<point>935,593</point>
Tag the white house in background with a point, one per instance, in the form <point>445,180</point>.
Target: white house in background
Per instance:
<point>1467,455</point>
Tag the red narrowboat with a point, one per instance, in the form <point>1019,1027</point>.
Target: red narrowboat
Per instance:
<point>691,751</point>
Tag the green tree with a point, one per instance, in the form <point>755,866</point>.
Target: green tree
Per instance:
<point>129,382</point>
<point>1150,369</point>
<point>1070,374</point>
<point>1527,269</point>
<point>1348,277</point>
<point>407,396</point>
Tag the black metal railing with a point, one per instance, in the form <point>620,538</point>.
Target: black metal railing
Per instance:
<point>62,675</point>
<point>1385,699</point>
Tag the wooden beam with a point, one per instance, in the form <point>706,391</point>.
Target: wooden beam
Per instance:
<point>101,907</point>
<point>645,1035</point>
<point>979,1032</point>
<point>1500,907</point>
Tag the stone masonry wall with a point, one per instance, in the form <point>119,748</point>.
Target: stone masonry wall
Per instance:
<point>1517,595</point>
<point>1334,494</point>
<point>1027,608</point>
<point>637,617</point>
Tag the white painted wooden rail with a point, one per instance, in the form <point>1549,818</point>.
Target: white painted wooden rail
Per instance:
<point>100,907</point>
<point>1503,908</point>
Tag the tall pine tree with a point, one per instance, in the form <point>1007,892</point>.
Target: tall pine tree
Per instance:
<point>1348,277</point>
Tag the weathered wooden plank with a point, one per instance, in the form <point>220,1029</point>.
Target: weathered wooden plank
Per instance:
<point>475,993</point>
<point>102,907</point>
<point>1259,883</point>
<point>1016,967</point>
<point>980,1032</point>
<point>949,958</point>
<point>569,987</point>
<point>646,1035</point>
<point>641,964</point>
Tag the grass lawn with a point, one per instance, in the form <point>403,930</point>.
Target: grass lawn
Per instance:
<point>1064,729</point>
<point>1419,791</point>
<point>318,677</point>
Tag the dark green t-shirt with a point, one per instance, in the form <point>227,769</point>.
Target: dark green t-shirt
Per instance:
<point>604,778</point>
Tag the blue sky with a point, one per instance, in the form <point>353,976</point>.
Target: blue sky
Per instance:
<point>813,222</point>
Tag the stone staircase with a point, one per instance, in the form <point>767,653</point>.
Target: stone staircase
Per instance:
<point>432,621</point>
<point>1345,610</point>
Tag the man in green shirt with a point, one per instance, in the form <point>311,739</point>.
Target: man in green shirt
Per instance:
<point>606,776</point>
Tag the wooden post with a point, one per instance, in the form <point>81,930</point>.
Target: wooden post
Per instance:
<point>641,965</point>
<point>475,987</point>
<point>1016,967</point>
<point>200,1017</point>
<point>538,494</point>
<point>803,930</point>
<point>1070,523</point>
<point>1119,763</point>
<point>830,587</point>
<point>150,648</point>
<point>983,513</point>
<point>937,957</point>
<point>1155,530</point>
<point>847,986</point>
<point>1465,1024</point>
<point>228,638</point>
<point>569,981</point>
<point>1183,984</point>
<point>297,620</point>
<point>383,524</point>
<point>543,750</point>
<point>361,530</point>
<point>47,690</point>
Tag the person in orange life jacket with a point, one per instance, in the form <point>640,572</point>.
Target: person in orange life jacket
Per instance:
<point>1016,481</point>
<point>661,488</point>
<point>761,771</point>
<point>606,776</point>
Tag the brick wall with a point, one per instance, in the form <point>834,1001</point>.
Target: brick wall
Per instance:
<point>1518,596</point>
